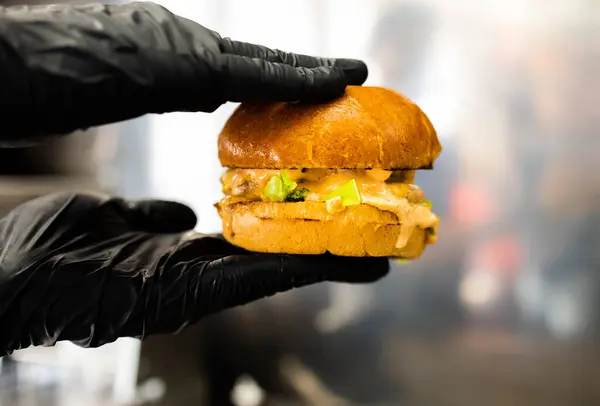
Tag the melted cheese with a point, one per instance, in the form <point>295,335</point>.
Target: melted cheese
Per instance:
<point>386,190</point>
<point>334,205</point>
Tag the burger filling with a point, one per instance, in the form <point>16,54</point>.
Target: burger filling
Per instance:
<point>392,191</point>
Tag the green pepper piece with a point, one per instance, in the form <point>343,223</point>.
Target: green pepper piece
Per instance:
<point>274,190</point>
<point>348,192</point>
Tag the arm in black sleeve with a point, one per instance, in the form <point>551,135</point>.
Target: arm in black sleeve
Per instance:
<point>64,68</point>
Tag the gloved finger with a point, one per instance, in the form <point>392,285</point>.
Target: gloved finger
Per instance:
<point>356,71</point>
<point>159,216</point>
<point>240,279</point>
<point>211,246</point>
<point>338,269</point>
<point>250,79</point>
<point>229,46</point>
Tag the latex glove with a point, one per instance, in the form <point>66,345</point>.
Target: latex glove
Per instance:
<point>90,268</point>
<point>66,67</point>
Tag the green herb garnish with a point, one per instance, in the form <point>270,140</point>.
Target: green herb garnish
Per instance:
<point>297,195</point>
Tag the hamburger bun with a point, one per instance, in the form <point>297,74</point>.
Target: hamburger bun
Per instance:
<point>307,228</point>
<point>368,127</point>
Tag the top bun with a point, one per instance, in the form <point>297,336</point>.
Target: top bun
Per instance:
<point>367,127</point>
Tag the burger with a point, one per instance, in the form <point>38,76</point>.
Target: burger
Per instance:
<point>335,177</point>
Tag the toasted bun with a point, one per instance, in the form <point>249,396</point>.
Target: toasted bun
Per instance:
<point>307,228</point>
<point>368,127</point>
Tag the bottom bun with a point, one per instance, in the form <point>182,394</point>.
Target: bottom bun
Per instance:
<point>307,228</point>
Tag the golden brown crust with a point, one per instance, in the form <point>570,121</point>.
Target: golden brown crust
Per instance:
<point>368,127</point>
<point>307,228</point>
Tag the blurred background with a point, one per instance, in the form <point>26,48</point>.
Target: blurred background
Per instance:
<point>503,310</point>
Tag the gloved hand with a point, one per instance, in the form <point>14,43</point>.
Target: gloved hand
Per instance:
<point>72,67</point>
<point>90,268</point>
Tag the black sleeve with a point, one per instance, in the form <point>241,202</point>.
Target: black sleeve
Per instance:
<point>64,68</point>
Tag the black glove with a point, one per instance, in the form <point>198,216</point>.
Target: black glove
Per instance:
<point>90,268</point>
<point>73,67</point>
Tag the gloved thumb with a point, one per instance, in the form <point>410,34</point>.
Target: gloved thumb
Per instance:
<point>160,216</point>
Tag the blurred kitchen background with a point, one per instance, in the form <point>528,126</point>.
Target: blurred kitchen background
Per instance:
<point>503,310</point>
